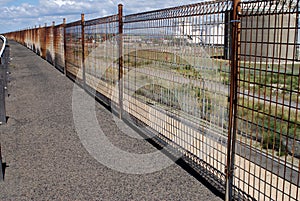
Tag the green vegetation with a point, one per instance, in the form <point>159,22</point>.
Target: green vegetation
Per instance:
<point>271,125</point>
<point>171,99</point>
<point>150,58</point>
<point>271,80</point>
<point>168,97</point>
<point>159,94</point>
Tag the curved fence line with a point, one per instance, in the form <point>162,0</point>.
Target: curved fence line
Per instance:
<point>217,81</point>
<point>3,46</point>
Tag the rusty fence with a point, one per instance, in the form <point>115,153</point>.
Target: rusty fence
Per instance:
<point>268,119</point>
<point>218,82</point>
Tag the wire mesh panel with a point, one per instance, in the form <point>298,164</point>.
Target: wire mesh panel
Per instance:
<point>73,34</point>
<point>30,39</point>
<point>176,79</point>
<point>58,43</point>
<point>268,142</point>
<point>50,55</point>
<point>27,39</point>
<point>101,60</point>
<point>43,40</point>
<point>36,45</point>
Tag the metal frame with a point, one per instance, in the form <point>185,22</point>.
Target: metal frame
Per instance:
<point>268,101</point>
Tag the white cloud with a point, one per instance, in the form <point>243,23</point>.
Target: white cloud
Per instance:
<point>63,3</point>
<point>4,2</point>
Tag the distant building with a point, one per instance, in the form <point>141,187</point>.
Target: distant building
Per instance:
<point>263,35</point>
<point>267,36</point>
<point>210,33</point>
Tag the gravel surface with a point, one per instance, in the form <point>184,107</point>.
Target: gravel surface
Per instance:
<point>46,159</point>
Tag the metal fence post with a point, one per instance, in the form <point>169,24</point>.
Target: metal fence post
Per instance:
<point>83,50</point>
<point>40,40</point>
<point>65,47</point>
<point>36,38</point>
<point>52,44</point>
<point>120,77</point>
<point>227,31</point>
<point>44,46</point>
<point>233,101</point>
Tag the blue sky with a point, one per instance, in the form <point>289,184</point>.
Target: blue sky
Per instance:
<point>22,14</point>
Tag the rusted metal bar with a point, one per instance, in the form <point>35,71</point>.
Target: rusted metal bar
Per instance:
<point>34,39</point>
<point>120,76</point>
<point>52,54</point>
<point>44,41</point>
<point>65,47</point>
<point>233,101</point>
<point>83,51</point>
<point>227,30</point>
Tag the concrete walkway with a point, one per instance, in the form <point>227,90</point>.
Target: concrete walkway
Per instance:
<point>45,158</point>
